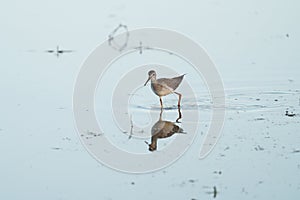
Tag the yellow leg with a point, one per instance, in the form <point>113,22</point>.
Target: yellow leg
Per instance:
<point>179,99</point>
<point>179,115</point>
<point>161,104</point>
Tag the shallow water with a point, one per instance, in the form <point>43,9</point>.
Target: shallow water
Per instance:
<point>257,156</point>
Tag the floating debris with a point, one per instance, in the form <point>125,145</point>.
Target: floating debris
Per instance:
<point>289,114</point>
<point>259,148</point>
<point>67,138</point>
<point>140,48</point>
<point>90,134</point>
<point>131,128</point>
<point>193,180</point>
<point>111,38</point>
<point>218,172</point>
<point>58,51</point>
<point>296,151</point>
<point>56,148</point>
<point>93,133</point>
<point>259,119</point>
<point>227,148</point>
<point>244,190</point>
<point>214,192</point>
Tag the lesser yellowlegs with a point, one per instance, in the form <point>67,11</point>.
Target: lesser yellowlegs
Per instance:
<point>164,86</point>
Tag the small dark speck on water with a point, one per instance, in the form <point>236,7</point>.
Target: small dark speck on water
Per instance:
<point>257,99</point>
<point>132,183</point>
<point>259,119</point>
<point>259,148</point>
<point>215,192</point>
<point>56,148</point>
<point>93,134</point>
<point>244,190</point>
<point>296,151</point>
<point>67,138</point>
<point>287,35</point>
<point>218,172</point>
<point>275,99</point>
<point>192,180</point>
<point>289,114</point>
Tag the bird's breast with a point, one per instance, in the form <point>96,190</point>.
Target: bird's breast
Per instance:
<point>160,89</point>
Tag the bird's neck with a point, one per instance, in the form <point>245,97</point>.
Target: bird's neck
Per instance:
<point>153,79</point>
<point>153,142</point>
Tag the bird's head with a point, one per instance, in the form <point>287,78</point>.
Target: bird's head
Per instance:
<point>151,76</point>
<point>152,147</point>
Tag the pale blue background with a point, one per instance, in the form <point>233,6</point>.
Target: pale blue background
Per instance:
<point>247,41</point>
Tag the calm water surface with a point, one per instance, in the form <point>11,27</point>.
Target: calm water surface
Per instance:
<point>256,49</point>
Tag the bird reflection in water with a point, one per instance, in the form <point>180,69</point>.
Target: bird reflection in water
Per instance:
<point>164,129</point>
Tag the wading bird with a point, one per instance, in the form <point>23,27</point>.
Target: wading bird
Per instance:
<point>164,86</point>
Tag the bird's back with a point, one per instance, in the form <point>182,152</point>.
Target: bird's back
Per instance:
<point>171,82</point>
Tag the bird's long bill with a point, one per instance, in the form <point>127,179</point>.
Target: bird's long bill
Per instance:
<point>147,81</point>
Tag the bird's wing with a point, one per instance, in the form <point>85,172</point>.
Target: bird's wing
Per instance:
<point>172,82</point>
<point>169,129</point>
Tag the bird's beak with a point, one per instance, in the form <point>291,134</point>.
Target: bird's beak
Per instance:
<point>147,81</point>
